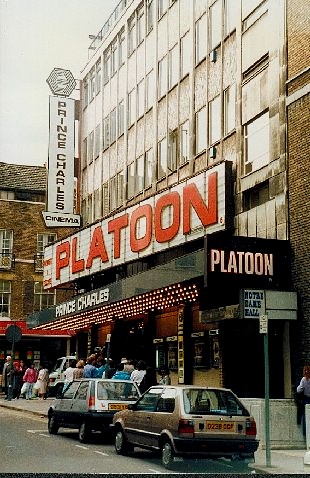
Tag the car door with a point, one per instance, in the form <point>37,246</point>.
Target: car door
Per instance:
<point>163,417</point>
<point>138,422</point>
<point>79,406</point>
<point>63,405</point>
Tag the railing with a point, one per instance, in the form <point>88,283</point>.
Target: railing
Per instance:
<point>107,27</point>
<point>7,260</point>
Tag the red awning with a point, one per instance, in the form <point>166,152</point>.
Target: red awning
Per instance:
<point>59,333</point>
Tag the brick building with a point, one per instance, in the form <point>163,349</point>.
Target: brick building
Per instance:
<point>298,152</point>
<point>23,236</point>
<point>188,180</point>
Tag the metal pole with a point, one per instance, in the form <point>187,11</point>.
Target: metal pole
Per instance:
<point>267,422</point>
<point>10,385</point>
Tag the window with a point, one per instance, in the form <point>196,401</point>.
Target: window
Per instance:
<point>140,99</point>
<point>85,92</point>
<point>120,188</point>
<point>113,193</point>
<point>5,298</point>
<point>121,46</point>
<point>10,195</point>
<point>162,77</point>
<point>230,16</point>
<point>184,142</point>
<point>43,298</point>
<point>131,107</point>
<point>106,132</point>
<point>113,126</point>
<point>215,120</point>
<point>257,143</point>
<point>185,55</point>
<point>98,76</point>
<point>114,56</point>
<point>44,240</point>
<point>90,156</point>
<point>97,204</point>
<point>106,65</point>
<point>148,168</point>
<point>139,174</point>
<point>105,199</point>
<point>174,60</point>
<point>6,248</point>
<point>131,180</point>
<point>256,196</point>
<point>162,158</point>
<point>162,7</point>
<point>97,141</point>
<point>215,25</point>
<point>229,109</point>
<point>173,150</point>
<point>84,153</point>
<point>201,39</point>
<point>149,15</point>
<point>92,91</point>
<point>131,34</point>
<point>140,24</point>
<point>150,90</point>
<point>201,130</point>
<point>120,118</point>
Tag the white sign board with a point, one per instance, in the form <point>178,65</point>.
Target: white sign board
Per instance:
<point>263,324</point>
<point>253,301</point>
<point>60,191</point>
<point>58,219</point>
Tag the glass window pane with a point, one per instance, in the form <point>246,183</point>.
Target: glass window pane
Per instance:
<point>140,173</point>
<point>148,168</point>
<point>184,142</point>
<point>201,130</point>
<point>185,55</point>
<point>215,119</point>
<point>201,38</point>
<point>162,158</point>
<point>257,142</point>
<point>162,77</point>
<point>215,24</point>
<point>229,109</point>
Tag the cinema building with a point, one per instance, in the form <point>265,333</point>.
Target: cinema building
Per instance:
<point>184,248</point>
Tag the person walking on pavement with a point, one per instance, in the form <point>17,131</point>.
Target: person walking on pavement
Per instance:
<point>30,378</point>
<point>20,369</point>
<point>78,371</point>
<point>304,388</point>
<point>68,373</point>
<point>42,382</point>
<point>90,371</point>
<point>6,375</point>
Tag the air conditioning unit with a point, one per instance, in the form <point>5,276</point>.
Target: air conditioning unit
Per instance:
<point>212,152</point>
<point>213,56</point>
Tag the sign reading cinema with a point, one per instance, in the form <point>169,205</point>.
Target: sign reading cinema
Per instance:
<point>182,213</point>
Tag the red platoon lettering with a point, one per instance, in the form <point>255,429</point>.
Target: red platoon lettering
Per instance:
<point>168,233</point>
<point>141,243</point>
<point>115,226</point>
<point>97,248</point>
<point>62,257</point>
<point>77,265</point>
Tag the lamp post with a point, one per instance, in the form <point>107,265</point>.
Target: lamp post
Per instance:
<point>13,334</point>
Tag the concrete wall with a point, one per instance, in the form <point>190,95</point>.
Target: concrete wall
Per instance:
<point>284,431</point>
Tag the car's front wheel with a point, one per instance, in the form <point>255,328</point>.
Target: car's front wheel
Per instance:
<point>84,432</point>
<point>167,454</point>
<point>53,426</point>
<point>122,447</point>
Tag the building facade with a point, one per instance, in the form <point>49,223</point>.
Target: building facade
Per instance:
<point>23,236</point>
<point>184,194</point>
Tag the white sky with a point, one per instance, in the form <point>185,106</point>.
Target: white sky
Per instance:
<point>37,36</point>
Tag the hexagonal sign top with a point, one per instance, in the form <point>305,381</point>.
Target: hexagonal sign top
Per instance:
<point>61,82</point>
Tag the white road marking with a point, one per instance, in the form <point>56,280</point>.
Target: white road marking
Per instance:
<point>44,435</point>
<point>101,453</point>
<point>35,431</point>
<point>83,447</point>
<point>158,472</point>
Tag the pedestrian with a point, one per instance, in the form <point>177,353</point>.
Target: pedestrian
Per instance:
<point>120,373</point>
<point>68,374</point>
<point>90,371</point>
<point>30,378</point>
<point>138,373</point>
<point>304,388</point>
<point>110,369</point>
<point>79,369</point>
<point>41,383</point>
<point>165,377</point>
<point>7,375</point>
<point>20,369</point>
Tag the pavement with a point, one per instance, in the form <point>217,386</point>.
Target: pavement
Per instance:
<point>282,461</point>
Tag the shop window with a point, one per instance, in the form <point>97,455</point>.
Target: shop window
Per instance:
<point>256,137</point>
<point>43,298</point>
<point>172,355</point>
<point>5,297</point>
<point>160,357</point>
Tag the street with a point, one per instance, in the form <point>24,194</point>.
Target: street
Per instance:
<point>27,447</point>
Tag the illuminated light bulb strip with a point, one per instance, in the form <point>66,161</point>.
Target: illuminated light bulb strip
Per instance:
<point>159,299</point>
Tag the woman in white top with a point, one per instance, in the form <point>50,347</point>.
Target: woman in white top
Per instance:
<point>138,374</point>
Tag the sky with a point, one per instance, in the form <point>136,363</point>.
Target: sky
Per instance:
<point>37,36</point>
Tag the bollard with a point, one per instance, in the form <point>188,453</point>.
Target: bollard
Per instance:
<point>307,419</point>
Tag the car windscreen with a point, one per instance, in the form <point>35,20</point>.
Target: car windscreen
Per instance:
<point>212,402</point>
<point>117,391</point>
<point>57,365</point>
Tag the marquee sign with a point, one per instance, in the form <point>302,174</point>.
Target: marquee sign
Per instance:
<point>182,213</point>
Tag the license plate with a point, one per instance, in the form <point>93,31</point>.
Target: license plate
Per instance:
<point>227,427</point>
<point>117,406</point>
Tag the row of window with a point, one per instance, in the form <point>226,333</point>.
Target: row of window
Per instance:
<point>176,63</point>
<point>172,152</point>
<point>6,248</point>
<point>42,298</point>
<point>113,124</point>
